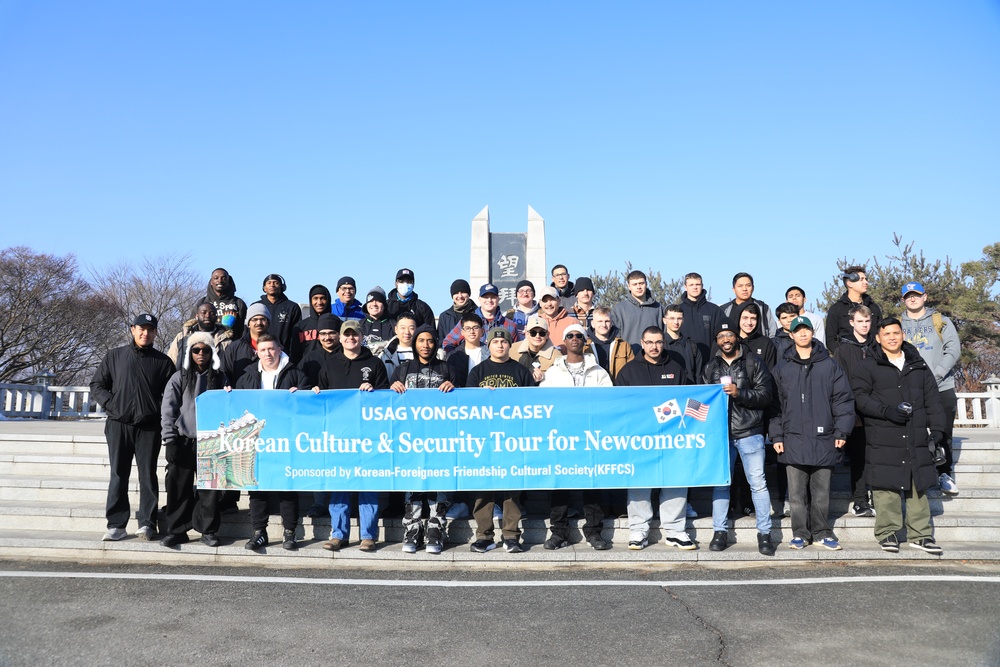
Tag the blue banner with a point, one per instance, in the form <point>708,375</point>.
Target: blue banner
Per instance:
<point>467,439</point>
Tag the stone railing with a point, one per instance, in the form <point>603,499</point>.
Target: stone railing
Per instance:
<point>47,402</point>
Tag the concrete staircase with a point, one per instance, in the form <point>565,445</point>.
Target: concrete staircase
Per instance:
<point>54,475</point>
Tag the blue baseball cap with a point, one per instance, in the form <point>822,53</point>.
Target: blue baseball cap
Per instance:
<point>488,288</point>
<point>913,287</point>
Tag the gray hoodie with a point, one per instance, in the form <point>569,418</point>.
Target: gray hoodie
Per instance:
<point>940,352</point>
<point>632,317</point>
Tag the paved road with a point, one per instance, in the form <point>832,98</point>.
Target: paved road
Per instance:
<point>683,615</point>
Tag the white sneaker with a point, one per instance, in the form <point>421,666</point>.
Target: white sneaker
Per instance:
<point>947,484</point>
<point>145,533</point>
<point>114,534</point>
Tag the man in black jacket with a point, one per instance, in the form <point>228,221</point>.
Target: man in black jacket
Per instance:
<point>898,395</point>
<point>838,318</point>
<point>243,352</point>
<point>701,316</point>
<point>353,367</point>
<point>307,331</point>
<point>745,379</point>
<point>683,349</point>
<point>129,385</point>
<point>461,303</point>
<point>403,300</point>
<point>655,368</point>
<point>817,413</point>
<point>274,370</point>
<point>849,354</point>
<point>285,315</point>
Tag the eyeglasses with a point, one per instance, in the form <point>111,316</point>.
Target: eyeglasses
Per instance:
<point>538,333</point>
<point>258,319</point>
<point>201,350</point>
<point>653,343</point>
<point>472,328</point>
<point>560,275</point>
<point>574,336</point>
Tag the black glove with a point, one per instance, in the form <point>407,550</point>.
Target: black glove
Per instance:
<point>171,450</point>
<point>938,455</point>
<point>895,415</point>
<point>937,437</point>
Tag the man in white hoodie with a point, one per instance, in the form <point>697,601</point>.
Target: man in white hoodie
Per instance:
<point>576,369</point>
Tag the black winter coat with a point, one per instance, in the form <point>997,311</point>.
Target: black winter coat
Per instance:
<point>688,354</point>
<point>756,390</point>
<point>420,311</point>
<point>340,372</point>
<point>817,407</point>
<point>701,321</point>
<point>289,377</point>
<point>129,384</point>
<point>838,320</point>
<point>897,454</point>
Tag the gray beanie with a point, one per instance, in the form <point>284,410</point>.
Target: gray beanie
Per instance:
<point>257,309</point>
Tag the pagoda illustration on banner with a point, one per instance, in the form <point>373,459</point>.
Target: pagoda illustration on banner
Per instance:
<point>221,468</point>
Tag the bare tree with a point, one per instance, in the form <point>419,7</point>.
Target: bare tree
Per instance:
<point>50,319</point>
<point>164,286</point>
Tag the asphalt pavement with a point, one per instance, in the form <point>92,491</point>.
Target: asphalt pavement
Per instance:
<point>809,614</point>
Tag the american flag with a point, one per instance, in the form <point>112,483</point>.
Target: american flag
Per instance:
<point>696,409</point>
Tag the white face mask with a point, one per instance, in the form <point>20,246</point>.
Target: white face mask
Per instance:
<point>404,289</point>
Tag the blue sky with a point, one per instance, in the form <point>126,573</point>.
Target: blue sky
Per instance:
<point>318,139</point>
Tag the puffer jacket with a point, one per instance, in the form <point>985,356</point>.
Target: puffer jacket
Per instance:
<point>897,454</point>
<point>817,407</point>
<point>755,390</point>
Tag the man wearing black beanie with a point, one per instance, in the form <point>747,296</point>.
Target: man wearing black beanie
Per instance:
<point>461,303</point>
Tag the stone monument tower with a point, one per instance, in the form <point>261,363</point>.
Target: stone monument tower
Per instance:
<point>504,258</point>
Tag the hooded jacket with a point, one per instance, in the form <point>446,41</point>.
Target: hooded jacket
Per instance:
<point>817,407</point>
<point>231,310</point>
<point>782,343</point>
<point>222,336</point>
<point>940,351</point>
<point>641,373</point>
<point>377,334</point>
<point>838,319</point>
<point>288,376</point>
<point>755,390</point>
<point>732,310</point>
<point>633,316</point>
<point>897,454</point>
<point>761,345</point>
<point>178,418</point>
<point>559,374</point>
<point>687,354</point>
<point>519,316</point>
<point>397,305</point>
<point>701,322</point>
<point>238,356</point>
<point>558,322</point>
<point>312,362</point>
<point>415,375</point>
<point>307,329</point>
<point>129,385</point>
<point>285,316</point>
<point>341,372</point>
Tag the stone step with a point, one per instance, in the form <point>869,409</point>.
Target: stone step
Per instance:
<point>57,546</point>
<point>89,518</point>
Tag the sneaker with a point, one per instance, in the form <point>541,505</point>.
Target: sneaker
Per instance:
<point>831,543</point>
<point>929,545</point>
<point>258,541</point>
<point>691,514</point>
<point>862,510</point>
<point>764,544</point>
<point>333,544</point>
<point>947,484</point>
<point>146,533</point>
<point>483,545</point>
<point>368,546</point>
<point>554,543</point>
<point>638,545</point>
<point>174,540</point>
<point>210,540</point>
<point>410,540</point>
<point>720,540</point>
<point>797,543</point>
<point>682,542</point>
<point>288,540</point>
<point>114,534</point>
<point>434,542</point>
<point>890,544</point>
<point>512,546</point>
<point>598,543</point>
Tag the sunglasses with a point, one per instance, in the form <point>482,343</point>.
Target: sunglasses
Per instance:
<point>574,336</point>
<point>537,333</point>
<point>201,350</point>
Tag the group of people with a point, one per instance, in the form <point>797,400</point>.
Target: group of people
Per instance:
<point>879,388</point>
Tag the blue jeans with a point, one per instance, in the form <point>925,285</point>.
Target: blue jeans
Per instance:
<point>751,451</point>
<point>340,515</point>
